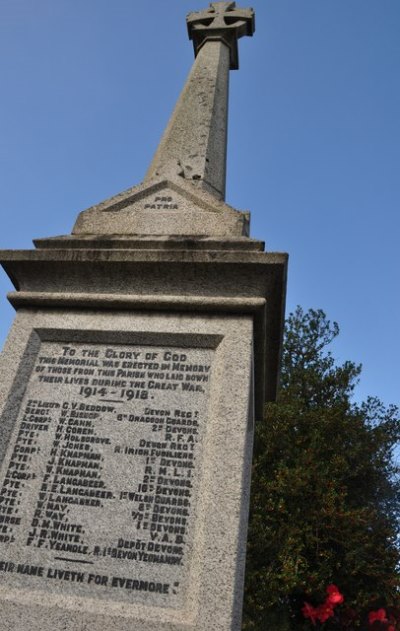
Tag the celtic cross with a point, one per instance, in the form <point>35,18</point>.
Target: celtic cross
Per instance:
<point>194,144</point>
<point>223,21</point>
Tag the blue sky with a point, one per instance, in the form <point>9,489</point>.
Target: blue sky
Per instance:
<point>314,142</point>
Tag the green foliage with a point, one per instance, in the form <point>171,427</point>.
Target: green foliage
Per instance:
<point>325,492</point>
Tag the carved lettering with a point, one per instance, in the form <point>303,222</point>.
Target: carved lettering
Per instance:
<point>103,467</point>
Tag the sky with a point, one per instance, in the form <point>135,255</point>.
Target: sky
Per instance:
<point>314,141</point>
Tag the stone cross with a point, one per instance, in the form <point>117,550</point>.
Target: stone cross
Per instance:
<point>222,20</point>
<point>194,144</point>
<point>145,346</point>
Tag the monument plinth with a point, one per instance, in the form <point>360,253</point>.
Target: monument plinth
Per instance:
<point>142,344</point>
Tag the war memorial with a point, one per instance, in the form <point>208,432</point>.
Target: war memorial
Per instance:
<point>144,347</point>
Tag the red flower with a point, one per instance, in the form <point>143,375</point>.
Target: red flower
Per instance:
<point>309,611</point>
<point>379,615</point>
<point>325,611</point>
<point>334,595</point>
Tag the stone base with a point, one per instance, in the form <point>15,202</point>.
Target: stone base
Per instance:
<point>64,382</point>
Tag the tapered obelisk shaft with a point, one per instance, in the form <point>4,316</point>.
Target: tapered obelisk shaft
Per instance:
<point>195,140</point>
<point>194,144</point>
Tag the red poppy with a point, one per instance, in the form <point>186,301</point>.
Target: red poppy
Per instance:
<point>379,615</point>
<point>325,611</point>
<point>334,595</point>
<point>309,611</point>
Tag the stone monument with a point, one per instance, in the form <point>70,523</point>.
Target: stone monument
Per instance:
<point>142,345</point>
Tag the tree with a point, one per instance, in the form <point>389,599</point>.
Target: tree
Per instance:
<point>325,491</point>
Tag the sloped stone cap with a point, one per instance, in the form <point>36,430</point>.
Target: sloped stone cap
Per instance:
<point>166,207</point>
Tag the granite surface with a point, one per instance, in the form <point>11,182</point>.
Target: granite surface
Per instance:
<point>197,280</point>
<point>173,207</point>
<point>144,346</point>
<point>195,140</point>
<point>124,493</point>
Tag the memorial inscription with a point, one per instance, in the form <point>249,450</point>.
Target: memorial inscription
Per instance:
<point>99,486</point>
<point>162,203</point>
<point>142,343</point>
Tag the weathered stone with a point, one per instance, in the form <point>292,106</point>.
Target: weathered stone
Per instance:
<point>143,344</point>
<point>166,207</point>
<point>185,280</point>
<point>221,21</point>
<point>194,144</point>
<point>92,464</point>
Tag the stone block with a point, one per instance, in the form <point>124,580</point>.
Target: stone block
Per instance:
<point>125,446</point>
